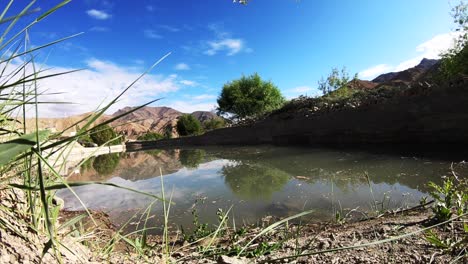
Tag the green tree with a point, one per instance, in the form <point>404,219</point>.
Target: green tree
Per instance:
<point>188,125</point>
<point>150,136</point>
<point>102,134</point>
<point>455,60</point>
<point>214,123</point>
<point>336,79</point>
<point>249,96</point>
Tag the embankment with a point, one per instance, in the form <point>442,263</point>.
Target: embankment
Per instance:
<point>423,115</point>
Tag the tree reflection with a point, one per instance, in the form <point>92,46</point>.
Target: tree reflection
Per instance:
<point>106,164</point>
<point>254,181</point>
<point>191,158</point>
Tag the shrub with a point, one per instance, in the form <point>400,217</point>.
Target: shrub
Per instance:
<point>102,134</point>
<point>214,123</point>
<point>249,97</point>
<point>188,125</point>
<point>151,136</point>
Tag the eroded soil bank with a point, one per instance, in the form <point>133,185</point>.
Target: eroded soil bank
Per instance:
<point>420,116</point>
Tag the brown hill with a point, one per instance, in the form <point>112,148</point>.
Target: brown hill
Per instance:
<point>407,76</point>
<point>146,119</point>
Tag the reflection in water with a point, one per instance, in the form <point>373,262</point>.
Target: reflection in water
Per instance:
<point>106,164</point>
<point>254,181</point>
<point>191,158</point>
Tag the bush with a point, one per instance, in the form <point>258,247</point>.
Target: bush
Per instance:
<point>214,123</point>
<point>191,158</point>
<point>102,134</point>
<point>249,97</point>
<point>151,136</point>
<point>188,125</point>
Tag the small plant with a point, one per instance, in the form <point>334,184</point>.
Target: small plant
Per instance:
<point>151,136</point>
<point>448,199</point>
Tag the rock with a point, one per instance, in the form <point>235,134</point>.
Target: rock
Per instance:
<point>230,260</point>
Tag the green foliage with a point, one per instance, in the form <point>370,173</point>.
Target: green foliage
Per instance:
<point>106,164</point>
<point>214,123</point>
<point>249,97</point>
<point>188,125</point>
<point>449,198</point>
<point>336,79</point>
<point>151,136</point>
<point>10,149</point>
<point>455,60</point>
<point>102,134</point>
<point>191,158</point>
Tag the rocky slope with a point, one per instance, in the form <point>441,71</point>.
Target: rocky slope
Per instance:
<point>146,119</point>
<point>407,76</point>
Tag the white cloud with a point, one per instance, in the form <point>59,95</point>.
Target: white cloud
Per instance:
<point>98,84</point>
<point>149,33</point>
<point>374,71</point>
<point>169,28</point>
<point>301,90</point>
<point>98,14</point>
<point>182,67</point>
<point>204,97</point>
<point>232,46</point>
<point>189,83</point>
<point>430,49</point>
<point>192,106</point>
<point>99,29</point>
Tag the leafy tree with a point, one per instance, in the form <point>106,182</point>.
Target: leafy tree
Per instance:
<point>214,123</point>
<point>249,96</point>
<point>335,80</point>
<point>455,60</point>
<point>188,125</point>
<point>102,134</point>
<point>151,136</point>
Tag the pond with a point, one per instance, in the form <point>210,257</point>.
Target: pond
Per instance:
<point>255,181</point>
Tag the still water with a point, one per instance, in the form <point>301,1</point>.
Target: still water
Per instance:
<point>255,181</point>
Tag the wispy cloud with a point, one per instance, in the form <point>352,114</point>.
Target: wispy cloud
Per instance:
<point>301,90</point>
<point>189,83</point>
<point>101,82</point>
<point>149,8</point>
<point>98,14</point>
<point>203,97</point>
<point>231,46</point>
<point>99,29</point>
<point>182,67</point>
<point>192,106</point>
<point>149,33</point>
<point>169,28</point>
<point>430,49</point>
<point>224,42</point>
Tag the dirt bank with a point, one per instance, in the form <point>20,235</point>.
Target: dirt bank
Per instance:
<point>420,115</point>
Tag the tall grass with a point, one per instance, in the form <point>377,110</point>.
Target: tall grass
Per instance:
<point>28,161</point>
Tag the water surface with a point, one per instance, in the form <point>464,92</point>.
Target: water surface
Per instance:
<point>255,181</point>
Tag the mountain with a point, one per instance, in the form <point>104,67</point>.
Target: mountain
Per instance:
<point>407,76</point>
<point>141,121</point>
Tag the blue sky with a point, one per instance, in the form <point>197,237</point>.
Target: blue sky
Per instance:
<point>292,43</point>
